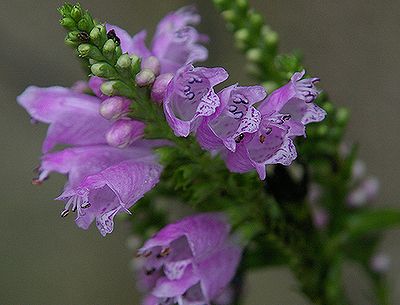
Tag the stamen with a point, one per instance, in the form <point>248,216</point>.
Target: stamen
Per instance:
<point>239,138</point>
<point>164,252</point>
<point>286,117</point>
<point>268,130</point>
<point>37,181</point>
<point>262,138</point>
<point>64,213</point>
<point>147,253</point>
<point>189,95</point>
<point>85,205</point>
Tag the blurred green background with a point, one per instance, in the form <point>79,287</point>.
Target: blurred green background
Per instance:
<point>353,46</point>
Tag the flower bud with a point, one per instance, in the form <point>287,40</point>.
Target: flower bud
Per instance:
<point>254,55</point>
<point>270,37</point>
<point>88,51</point>
<point>83,25</point>
<point>145,77</point>
<point>68,23</point>
<point>159,86</point>
<point>124,61</point>
<point>95,35</point>
<point>108,48</point>
<point>76,13</point>
<point>124,132</point>
<point>152,63</point>
<point>116,88</point>
<point>114,107</point>
<point>135,64</point>
<point>104,70</point>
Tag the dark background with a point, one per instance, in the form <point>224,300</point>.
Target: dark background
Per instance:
<point>353,46</point>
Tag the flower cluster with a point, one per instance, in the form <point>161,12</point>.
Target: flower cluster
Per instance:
<point>110,165</point>
<point>103,180</point>
<point>228,122</point>
<point>177,262</point>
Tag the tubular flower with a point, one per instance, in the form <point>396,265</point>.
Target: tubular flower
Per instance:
<point>190,97</point>
<point>175,42</point>
<point>190,262</point>
<point>295,100</point>
<point>103,180</point>
<point>234,118</point>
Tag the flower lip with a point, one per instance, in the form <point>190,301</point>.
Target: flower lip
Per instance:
<point>236,116</point>
<point>190,96</point>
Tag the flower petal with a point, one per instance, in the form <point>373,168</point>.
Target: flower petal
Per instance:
<point>166,288</point>
<point>73,117</point>
<point>194,228</point>
<point>216,271</point>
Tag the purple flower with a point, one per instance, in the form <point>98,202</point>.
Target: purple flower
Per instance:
<point>295,100</point>
<point>73,117</point>
<point>190,262</point>
<point>234,118</point>
<point>102,180</point>
<point>271,144</point>
<point>364,191</point>
<point>284,115</point>
<point>175,42</point>
<point>190,97</point>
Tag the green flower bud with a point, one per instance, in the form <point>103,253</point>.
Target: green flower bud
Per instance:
<point>95,35</point>
<point>112,88</point>
<point>254,55</point>
<point>135,64</point>
<point>229,15</point>
<point>256,20</point>
<point>242,4</point>
<point>124,61</point>
<point>98,35</point>
<point>242,35</point>
<point>76,12</point>
<point>328,107</point>
<point>270,37</point>
<point>322,130</point>
<point>104,70</point>
<point>65,10</point>
<point>73,36</point>
<point>342,116</point>
<point>108,49</point>
<point>70,42</point>
<point>83,25</point>
<point>88,51</point>
<point>68,23</point>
